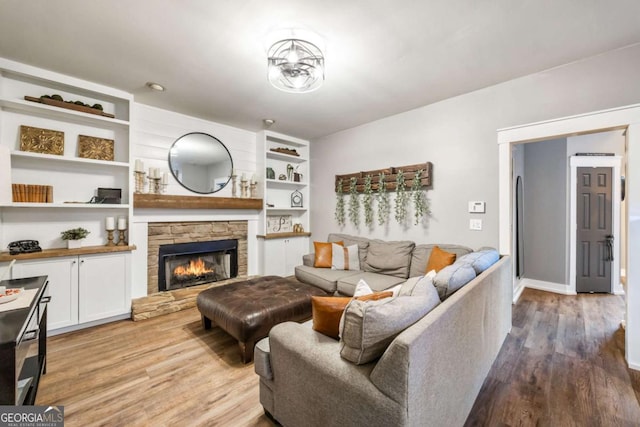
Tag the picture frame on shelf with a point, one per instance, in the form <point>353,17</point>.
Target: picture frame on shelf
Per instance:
<point>91,147</point>
<point>43,141</point>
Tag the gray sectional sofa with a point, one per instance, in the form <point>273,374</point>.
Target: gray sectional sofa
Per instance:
<point>430,373</point>
<point>383,264</point>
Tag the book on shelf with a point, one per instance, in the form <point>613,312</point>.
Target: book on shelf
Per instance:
<point>30,193</point>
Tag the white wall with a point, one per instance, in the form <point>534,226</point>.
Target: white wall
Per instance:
<point>153,132</point>
<point>459,136</point>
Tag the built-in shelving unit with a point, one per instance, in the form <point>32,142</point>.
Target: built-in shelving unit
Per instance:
<point>282,250</point>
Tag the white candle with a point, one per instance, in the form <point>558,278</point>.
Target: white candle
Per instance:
<point>111,223</point>
<point>233,172</point>
<point>139,165</point>
<point>165,178</point>
<point>122,223</point>
<point>244,177</point>
<point>150,172</point>
<point>253,178</point>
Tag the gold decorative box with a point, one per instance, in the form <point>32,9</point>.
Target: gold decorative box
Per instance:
<point>91,147</point>
<point>44,141</point>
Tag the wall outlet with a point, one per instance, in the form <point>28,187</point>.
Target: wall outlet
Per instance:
<point>475,224</point>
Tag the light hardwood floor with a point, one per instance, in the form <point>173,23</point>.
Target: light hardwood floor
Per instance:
<point>562,365</point>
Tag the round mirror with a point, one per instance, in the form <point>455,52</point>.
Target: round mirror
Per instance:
<point>200,163</point>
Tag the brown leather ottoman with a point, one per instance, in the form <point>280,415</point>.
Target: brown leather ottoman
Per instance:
<point>247,310</point>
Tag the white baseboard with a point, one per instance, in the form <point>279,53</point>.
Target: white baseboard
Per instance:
<point>618,290</point>
<point>558,288</point>
<point>634,366</point>
<point>88,324</point>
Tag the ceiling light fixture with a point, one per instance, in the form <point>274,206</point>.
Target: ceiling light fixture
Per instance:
<point>268,122</point>
<point>296,65</point>
<point>155,86</point>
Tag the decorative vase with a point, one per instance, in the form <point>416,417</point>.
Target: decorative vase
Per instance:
<point>74,244</point>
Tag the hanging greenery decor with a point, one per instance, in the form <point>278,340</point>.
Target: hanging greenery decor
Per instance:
<point>420,205</point>
<point>367,202</point>
<point>384,206</point>
<point>339,215</point>
<point>354,202</point>
<point>401,198</point>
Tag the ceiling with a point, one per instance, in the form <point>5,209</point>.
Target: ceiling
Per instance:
<point>383,57</point>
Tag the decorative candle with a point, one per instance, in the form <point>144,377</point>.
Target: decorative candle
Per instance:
<point>165,178</point>
<point>244,177</point>
<point>122,223</point>
<point>233,172</point>
<point>139,165</point>
<point>111,223</point>
<point>253,178</point>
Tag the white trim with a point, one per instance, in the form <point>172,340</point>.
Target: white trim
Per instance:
<point>615,118</point>
<point>541,285</point>
<point>517,292</point>
<point>92,323</point>
<point>613,162</point>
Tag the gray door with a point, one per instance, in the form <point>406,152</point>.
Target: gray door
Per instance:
<point>595,240</point>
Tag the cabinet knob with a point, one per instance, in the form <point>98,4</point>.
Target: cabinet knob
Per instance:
<point>81,261</point>
<point>73,262</point>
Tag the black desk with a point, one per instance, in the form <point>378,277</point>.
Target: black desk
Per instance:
<point>23,344</point>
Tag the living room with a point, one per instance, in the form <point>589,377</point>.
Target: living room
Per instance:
<point>403,85</point>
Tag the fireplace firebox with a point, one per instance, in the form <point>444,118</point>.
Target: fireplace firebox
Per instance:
<point>188,264</point>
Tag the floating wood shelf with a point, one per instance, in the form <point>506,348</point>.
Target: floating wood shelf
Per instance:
<point>60,252</point>
<point>282,235</point>
<point>391,173</point>
<point>167,201</point>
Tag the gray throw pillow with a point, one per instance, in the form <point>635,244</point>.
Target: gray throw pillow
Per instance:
<point>480,260</point>
<point>390,258</point>
<point>453,277</point>
<point>368,327</point>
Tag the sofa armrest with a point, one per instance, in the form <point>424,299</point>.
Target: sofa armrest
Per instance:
<point>307,371</point>
<point>309,260</point>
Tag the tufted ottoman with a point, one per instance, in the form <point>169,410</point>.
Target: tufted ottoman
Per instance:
<point>247,310</point>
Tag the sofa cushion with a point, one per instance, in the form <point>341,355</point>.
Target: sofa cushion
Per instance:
<point>453,277</point>
<point>367,329</point>
<point>414,286</point>
<point>439,259</point>
<point>390,258</point>
<point>480,260</point>
<point>362,242</point>
<point>344,258</point>
<point>378,282</point>
<point>324,278</point>
<point>327,311</point>
<point>421,254</point>
<point>262,360</point>
<point>323,254</point>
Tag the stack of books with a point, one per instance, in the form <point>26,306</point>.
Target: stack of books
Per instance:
<point>28,193</point>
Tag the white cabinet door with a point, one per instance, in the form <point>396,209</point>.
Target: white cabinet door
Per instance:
<point>295,248</point>
<point>63,287</point>
<point>103,286</point>
<point>274,257</point>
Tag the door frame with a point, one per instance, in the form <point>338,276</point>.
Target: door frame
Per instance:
<point>615,163</point>
<point>627,117</point>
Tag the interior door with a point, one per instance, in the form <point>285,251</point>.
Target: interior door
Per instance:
<point>594,234</point>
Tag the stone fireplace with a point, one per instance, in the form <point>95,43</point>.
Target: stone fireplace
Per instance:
<point>182,265</point>
<point>214,246</point>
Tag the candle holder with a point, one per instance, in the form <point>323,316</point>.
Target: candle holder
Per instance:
<point>154,185</point>
<point>110,238</point>
<point>122,238</point>
<point>139,181</point>
<point>234,192</point>
<point>254,190</point>
<point>244,188</point>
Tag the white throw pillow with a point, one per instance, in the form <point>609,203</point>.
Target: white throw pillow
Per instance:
<point>362,288</point>
<point>344,258</point>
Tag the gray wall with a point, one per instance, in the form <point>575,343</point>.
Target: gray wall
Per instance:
<point>545,210</point>
<point>459,136</point>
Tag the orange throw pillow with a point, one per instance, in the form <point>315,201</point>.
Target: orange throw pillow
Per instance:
<point>323,254</point>
<point>439,259</point>
<point>326,311</point>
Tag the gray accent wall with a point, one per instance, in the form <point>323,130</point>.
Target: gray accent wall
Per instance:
<point>459,136</point>
<point>545,210</point>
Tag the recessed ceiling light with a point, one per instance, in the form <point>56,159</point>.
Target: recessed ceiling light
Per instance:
<point>268,122</point>
<point>155,86</point>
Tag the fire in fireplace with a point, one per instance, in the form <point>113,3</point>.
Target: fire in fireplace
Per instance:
<point>189,264</point>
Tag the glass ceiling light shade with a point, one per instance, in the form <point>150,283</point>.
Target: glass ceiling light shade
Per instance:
<point>296,66</point>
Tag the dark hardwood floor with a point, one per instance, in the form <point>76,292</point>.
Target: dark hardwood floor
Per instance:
<point>562,365</point>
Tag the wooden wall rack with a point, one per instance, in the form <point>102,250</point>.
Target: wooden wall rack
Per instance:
<point>391,173</point>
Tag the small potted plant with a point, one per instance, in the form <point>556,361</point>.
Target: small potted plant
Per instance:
<point>74,237</point>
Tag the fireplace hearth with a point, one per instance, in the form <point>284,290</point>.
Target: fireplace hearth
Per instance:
<point>188,264</point>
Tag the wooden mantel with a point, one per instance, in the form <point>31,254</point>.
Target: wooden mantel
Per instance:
<point>168,201</point>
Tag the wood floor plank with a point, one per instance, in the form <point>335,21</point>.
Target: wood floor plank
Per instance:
<point>561,365</point>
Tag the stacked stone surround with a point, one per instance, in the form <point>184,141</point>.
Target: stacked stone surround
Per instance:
<point>167,233</point>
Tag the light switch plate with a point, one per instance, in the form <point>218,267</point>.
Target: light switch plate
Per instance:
<point>477,207</point>
<point>475,224</point>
